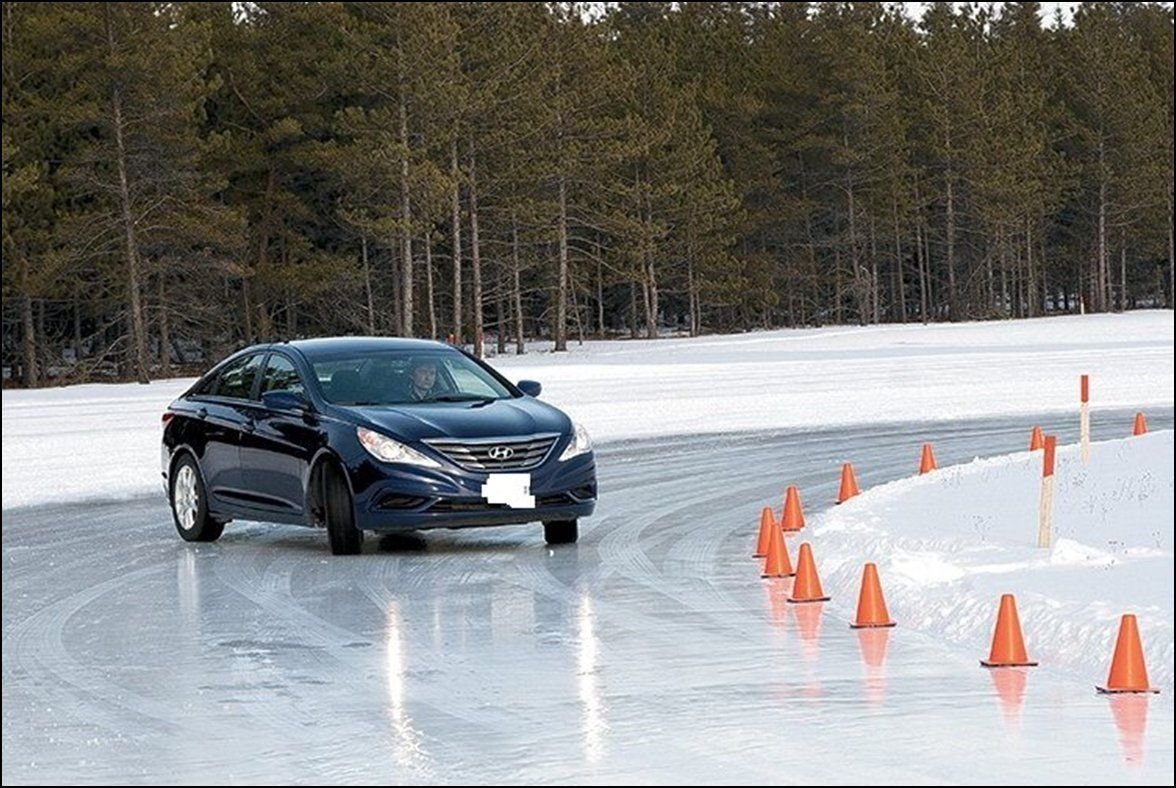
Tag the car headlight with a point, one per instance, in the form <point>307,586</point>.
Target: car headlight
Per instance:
<point>384,448</point>
<point>581,443</point>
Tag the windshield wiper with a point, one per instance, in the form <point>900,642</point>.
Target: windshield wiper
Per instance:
<point>463,398</point>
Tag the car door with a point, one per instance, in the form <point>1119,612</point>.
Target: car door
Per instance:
<point>223,422</point>
<point>276,453</point>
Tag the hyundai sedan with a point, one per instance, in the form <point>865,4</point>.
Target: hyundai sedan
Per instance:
<point>371,434</point>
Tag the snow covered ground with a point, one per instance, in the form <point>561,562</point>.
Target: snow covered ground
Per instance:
<point>101,441</point>
<point>949,543</point>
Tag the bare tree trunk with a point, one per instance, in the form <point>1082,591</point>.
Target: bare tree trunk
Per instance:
<point>953,305</point>
<point>633,330</point>
<point>1123,270</point>
<point>900,284</point>
<point>520,340</point>
<point>1031,286</point>
<point>77,329</point>
<point>499,309</point>
<point>138,331</point>
<point>1101,302</point>
<point>428,244</point>
<point>406,268</point>
<point>599,293</point>
<point>455,173</point>
<point>561,288</point>
<point>1171,252</point>
<point>165,368</point>
<point>28,337</point>
<point>367,286</point>
<point>691,286</point>
<point>475,256</point>
<point>920,260</point>
<point>875,297</point>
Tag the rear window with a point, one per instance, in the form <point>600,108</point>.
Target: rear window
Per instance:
<point>236,379</point>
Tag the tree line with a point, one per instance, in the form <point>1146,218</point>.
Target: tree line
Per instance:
<point>182,179</point>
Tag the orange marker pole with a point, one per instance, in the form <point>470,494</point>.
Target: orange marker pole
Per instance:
<point>1084,421</point>
<point>1045,521</point>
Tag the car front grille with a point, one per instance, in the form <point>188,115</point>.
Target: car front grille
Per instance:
<point>486,454</point>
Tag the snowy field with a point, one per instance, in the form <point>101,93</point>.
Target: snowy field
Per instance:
<point>949,543</point>
<point>101,441</point>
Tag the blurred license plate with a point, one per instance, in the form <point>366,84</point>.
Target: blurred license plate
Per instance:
<point>512,489</point>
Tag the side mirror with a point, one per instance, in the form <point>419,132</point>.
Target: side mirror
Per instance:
<point>530,387</point>
<point>284,399</point>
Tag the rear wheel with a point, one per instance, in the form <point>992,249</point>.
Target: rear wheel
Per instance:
<point>561,531</point>
<point>190,505</point>
<point>344,537</point>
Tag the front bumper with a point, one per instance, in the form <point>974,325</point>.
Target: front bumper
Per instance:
<point>402,498</point>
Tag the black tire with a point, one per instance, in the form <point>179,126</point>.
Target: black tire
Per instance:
<point>190,511</point>
<point>561,531</point>
<point>344,537</point>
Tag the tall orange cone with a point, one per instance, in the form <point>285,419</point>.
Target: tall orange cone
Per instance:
<point>807,586</point>
<point>778,564</point>
<point>793,518</point>
<point>1008,647</point>
<point>1140,426</point>
<point>849,486</point>
<point>871,609</point>
<point>1128,671</point>
<point>927,462</point>
<point>767,523</point>
<point>1037,439</point>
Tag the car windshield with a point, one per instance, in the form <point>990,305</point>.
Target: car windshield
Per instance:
<point>402,377</point>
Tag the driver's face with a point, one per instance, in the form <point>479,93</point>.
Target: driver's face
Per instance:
<point>424,376</point>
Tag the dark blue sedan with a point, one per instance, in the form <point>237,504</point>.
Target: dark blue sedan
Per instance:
<point>371,434</point>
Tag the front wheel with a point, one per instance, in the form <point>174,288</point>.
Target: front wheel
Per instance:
<point>344,537</point>
<point>189,504</point>
<point>561,531</point>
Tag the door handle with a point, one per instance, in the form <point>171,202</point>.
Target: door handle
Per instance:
<point>249,426</point>
<point>201,413</point>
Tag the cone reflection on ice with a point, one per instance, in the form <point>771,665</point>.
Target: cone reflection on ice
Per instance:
<point>777,564</point>
<point>767,522</point>
<point>1130,712</point>
<point>1128,671</point>
<point>849,487</point>
<point>1008,647</point>
<point>808,627</point>
<point>927,461</point>
<point>793,517</point>
<point>807,587</point>
<point>1140,425</point>
<point>1037,439</point>
<point>871,609</point>
<point>872,644</point>
<point>1010,688</point>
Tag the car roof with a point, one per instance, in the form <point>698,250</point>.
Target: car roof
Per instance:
<point>332,346</point>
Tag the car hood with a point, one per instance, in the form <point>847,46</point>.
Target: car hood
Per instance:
<point>501,418</point>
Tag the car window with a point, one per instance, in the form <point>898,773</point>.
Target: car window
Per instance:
<point>280,375</point>
<point>388,377</point>
<point>236,379</point>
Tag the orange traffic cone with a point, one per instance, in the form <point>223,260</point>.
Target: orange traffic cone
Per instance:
<point>767,523</point>
<point>1008,647</point>
<point>807,586</point>
<point>927,462</point>
<point>849,486</point>
<point>871,609</point>
<point>1140,427</point>
<point>778,564</point>
<point>793,518</point>
<point>1037,439</point>
<point>1128,671</point>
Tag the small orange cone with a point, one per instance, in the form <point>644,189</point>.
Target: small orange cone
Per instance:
<point>1140,426</point>
<point>927,462</point>
<point>807,586</point>
<point>1037,439</point>
<point>767,523</point>
<point>1008,647</point>
<point>849,486</point>
<point>778,564</point>
<point>1128,671</point>
<point>793,518</point>
<point>871,609</point>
